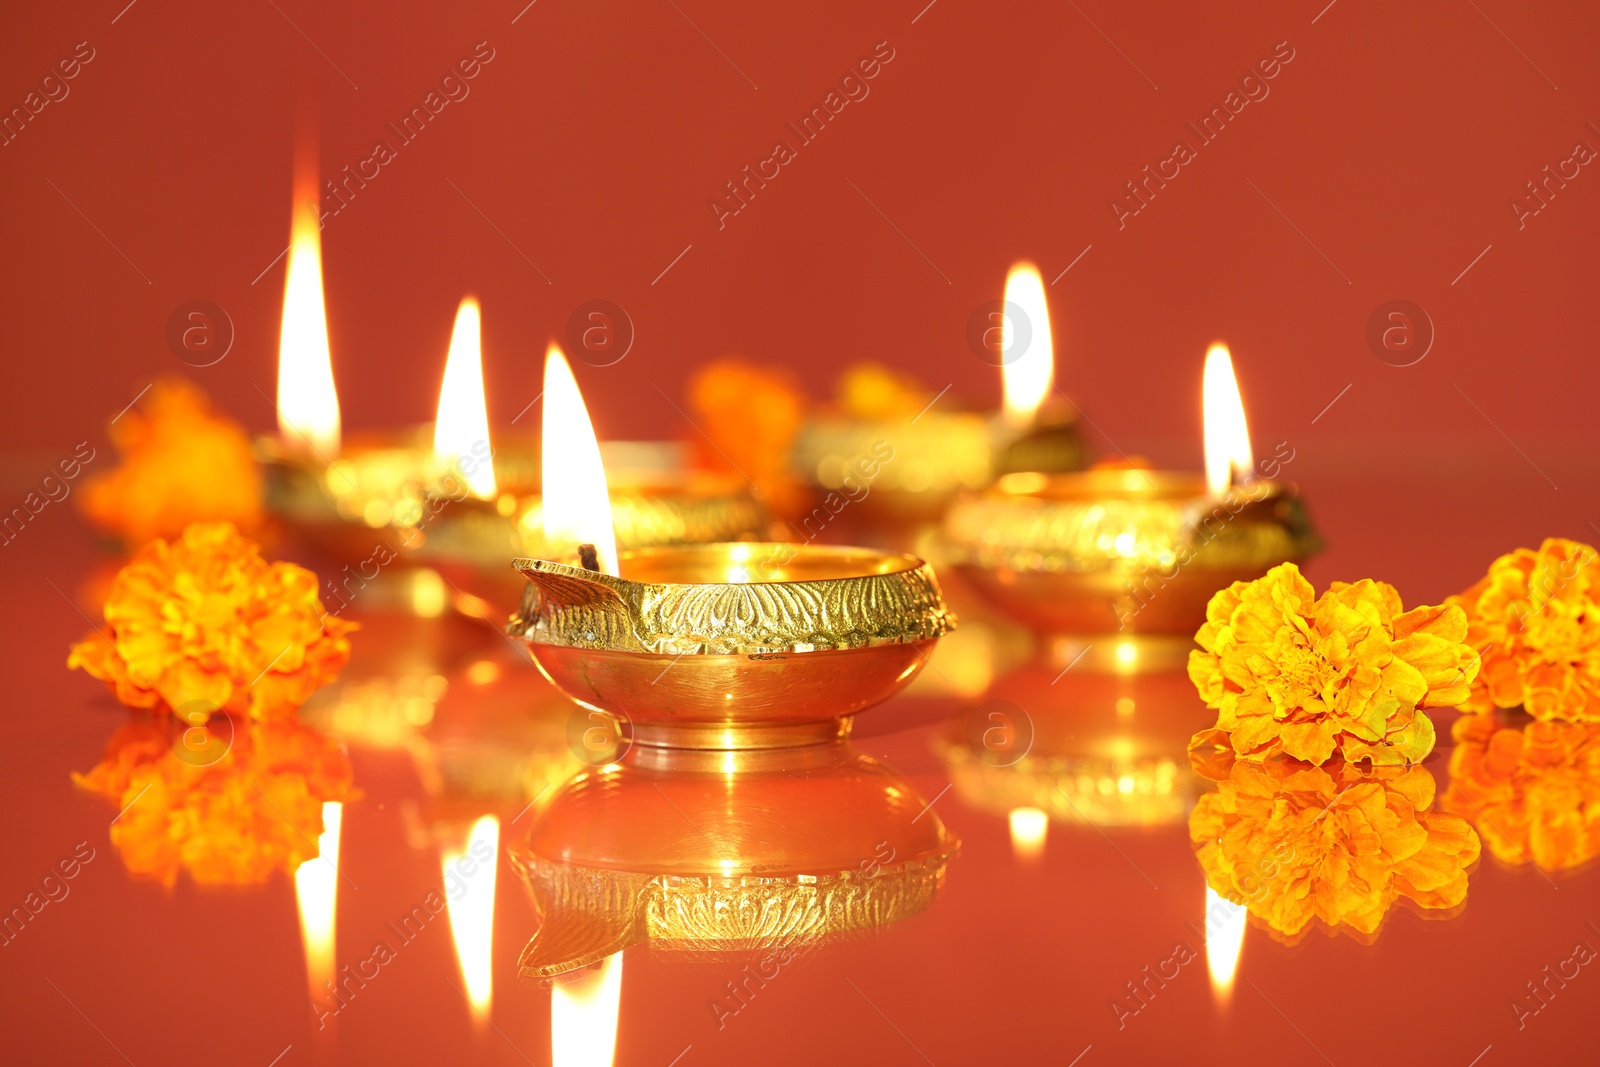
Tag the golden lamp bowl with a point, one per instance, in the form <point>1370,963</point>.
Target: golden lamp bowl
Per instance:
<point>723,854</point>
<point>728,646</point>
<point>1119,550</point>
<point>390,490</point>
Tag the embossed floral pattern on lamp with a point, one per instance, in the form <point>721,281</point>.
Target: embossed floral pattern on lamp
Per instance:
<point>1129,551</point>
<point>735,645</point>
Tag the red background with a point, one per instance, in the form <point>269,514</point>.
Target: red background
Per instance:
<point>599,132</point>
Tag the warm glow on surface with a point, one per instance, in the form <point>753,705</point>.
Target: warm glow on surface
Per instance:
<point>472,911</point>
<point>583,1017</point>
<point>1028,374</point>
<point>461,428</point>
<point>1227,435</point>
<point>308,403</point>
<point>316,891</point>
<point>1225,923</point>
<point>577,507</point>
<point>1028,829</point>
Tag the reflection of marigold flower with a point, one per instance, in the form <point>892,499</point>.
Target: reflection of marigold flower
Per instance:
<point>874,392</point>
<point>1533,793</point>
<point>1340,844</point>
<point>1348,672</point>
<point>242,800</point>
<point>204,623</point>
<point>1535,619</point>
<point>751,415</point>
<point>181,463</point>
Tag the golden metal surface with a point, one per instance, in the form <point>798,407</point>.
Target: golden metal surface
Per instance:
<point>1104,551</point>
<point>714,853</point>
<point>734,645</point>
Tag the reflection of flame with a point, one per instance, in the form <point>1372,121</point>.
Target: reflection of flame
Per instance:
<point>472,912</point>
<point>1028,829</point>
<point>1026,375</point>
<point>462,425</point>
<point>308,403</point>
<point>583,1017</point>
<point>1225,922</point>
<point>577,507</point>
<point>1227,435</point>
<point>316,889</point>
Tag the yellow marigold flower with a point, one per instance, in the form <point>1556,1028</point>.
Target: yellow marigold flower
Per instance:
<point>1338,844</point>
<point>1535,620</point>
<point>1293,674</point>
<point>205,624</point>
<point>229,802</point>
<point>1532,792</point>
<point>181,463</point>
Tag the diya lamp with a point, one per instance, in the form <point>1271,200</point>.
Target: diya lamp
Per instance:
<point>725,855</point>
<point>1042,746</point>
<point>1130,553</point>
<point>941,450</point>
<point>443,496</point>
<point>727,645</point>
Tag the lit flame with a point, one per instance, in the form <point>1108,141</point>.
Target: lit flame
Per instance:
<point>1227,436</point>
<point>1027,374</point>
<point>1028,829</point>
<point>472,911</point>
<point>583,1017</point>
<point>461,429</point>
<point>1225,923</point>
<point>308,403</point>
<point>316,890</point>
<point>577,506</point>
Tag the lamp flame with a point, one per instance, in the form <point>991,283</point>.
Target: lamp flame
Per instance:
<point>577,506</point>
<point>308,402</point>
<point>1225,923</point>
<point>472,912</point>
<point>583,1017</point>
<point>1028,372</point>
<point>461,429</point>
<point>1029,826</point>
<point>1228,452</point>
<point>316,891</point>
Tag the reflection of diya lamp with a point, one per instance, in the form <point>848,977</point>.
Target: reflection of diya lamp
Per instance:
<point>721,854</point>
<point>441,495</point>
<point>908,465</point>
<point>729,645</point>
<point>1132,551</point>
<point>1077,748</point>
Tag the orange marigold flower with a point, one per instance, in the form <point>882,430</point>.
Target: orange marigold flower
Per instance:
<point>1293,674</point>
<point>1533,792</point>
<point>1535,619</point>
<point>750,416</point>
<point>181,463</point>
<point>205,624</point>
<point>230,802</point>
<point>1339,844</point>
<point>873,392</point>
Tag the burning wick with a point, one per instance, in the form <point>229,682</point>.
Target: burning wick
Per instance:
<point>589,557</point>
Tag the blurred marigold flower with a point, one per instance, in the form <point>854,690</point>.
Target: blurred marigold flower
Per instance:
<point>749,416</point>
<point>181,463</point>
<point>1533,792</point>
<point>230,802</point>
<point>1535,621</point>
<point>1338,844</point>
<point>873,392</point>
<point>204,624</point>
<point>1347,673</point>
